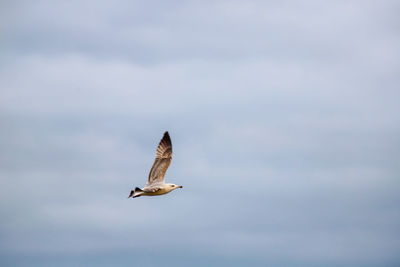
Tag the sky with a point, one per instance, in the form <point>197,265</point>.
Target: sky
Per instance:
<point>284,119</point>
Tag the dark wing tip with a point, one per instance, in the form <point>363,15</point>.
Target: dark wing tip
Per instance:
<point>166,138</point>
<point>164,149</point>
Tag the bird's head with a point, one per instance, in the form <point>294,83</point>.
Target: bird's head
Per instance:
<point>174,186</point>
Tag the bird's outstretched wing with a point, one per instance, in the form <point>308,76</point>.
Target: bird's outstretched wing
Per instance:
<point>162,161</point>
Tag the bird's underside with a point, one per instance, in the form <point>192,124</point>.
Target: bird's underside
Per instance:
<point>149,192</point>
<point>155,183</point>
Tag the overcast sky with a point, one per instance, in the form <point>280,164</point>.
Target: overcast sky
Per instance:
<point>284,119</point>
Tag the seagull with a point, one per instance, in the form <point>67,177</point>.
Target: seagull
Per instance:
<point>155,185</point>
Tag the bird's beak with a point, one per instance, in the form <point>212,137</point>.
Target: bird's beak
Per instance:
<point>180,186</point>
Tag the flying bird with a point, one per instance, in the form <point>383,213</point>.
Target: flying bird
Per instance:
<point>155,185</point>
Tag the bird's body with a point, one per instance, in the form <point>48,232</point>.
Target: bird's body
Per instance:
<point>155,185</point>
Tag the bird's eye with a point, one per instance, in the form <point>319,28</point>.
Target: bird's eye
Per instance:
<point>172,185</point>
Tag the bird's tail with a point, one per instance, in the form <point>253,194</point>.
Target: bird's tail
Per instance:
<point>136,193</point>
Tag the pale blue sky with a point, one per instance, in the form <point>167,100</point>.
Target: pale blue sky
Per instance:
<point>284,117</point>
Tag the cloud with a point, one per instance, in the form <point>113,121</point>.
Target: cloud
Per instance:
<point>283,118</point>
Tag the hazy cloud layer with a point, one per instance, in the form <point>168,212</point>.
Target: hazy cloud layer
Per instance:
<point>283,116</point>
